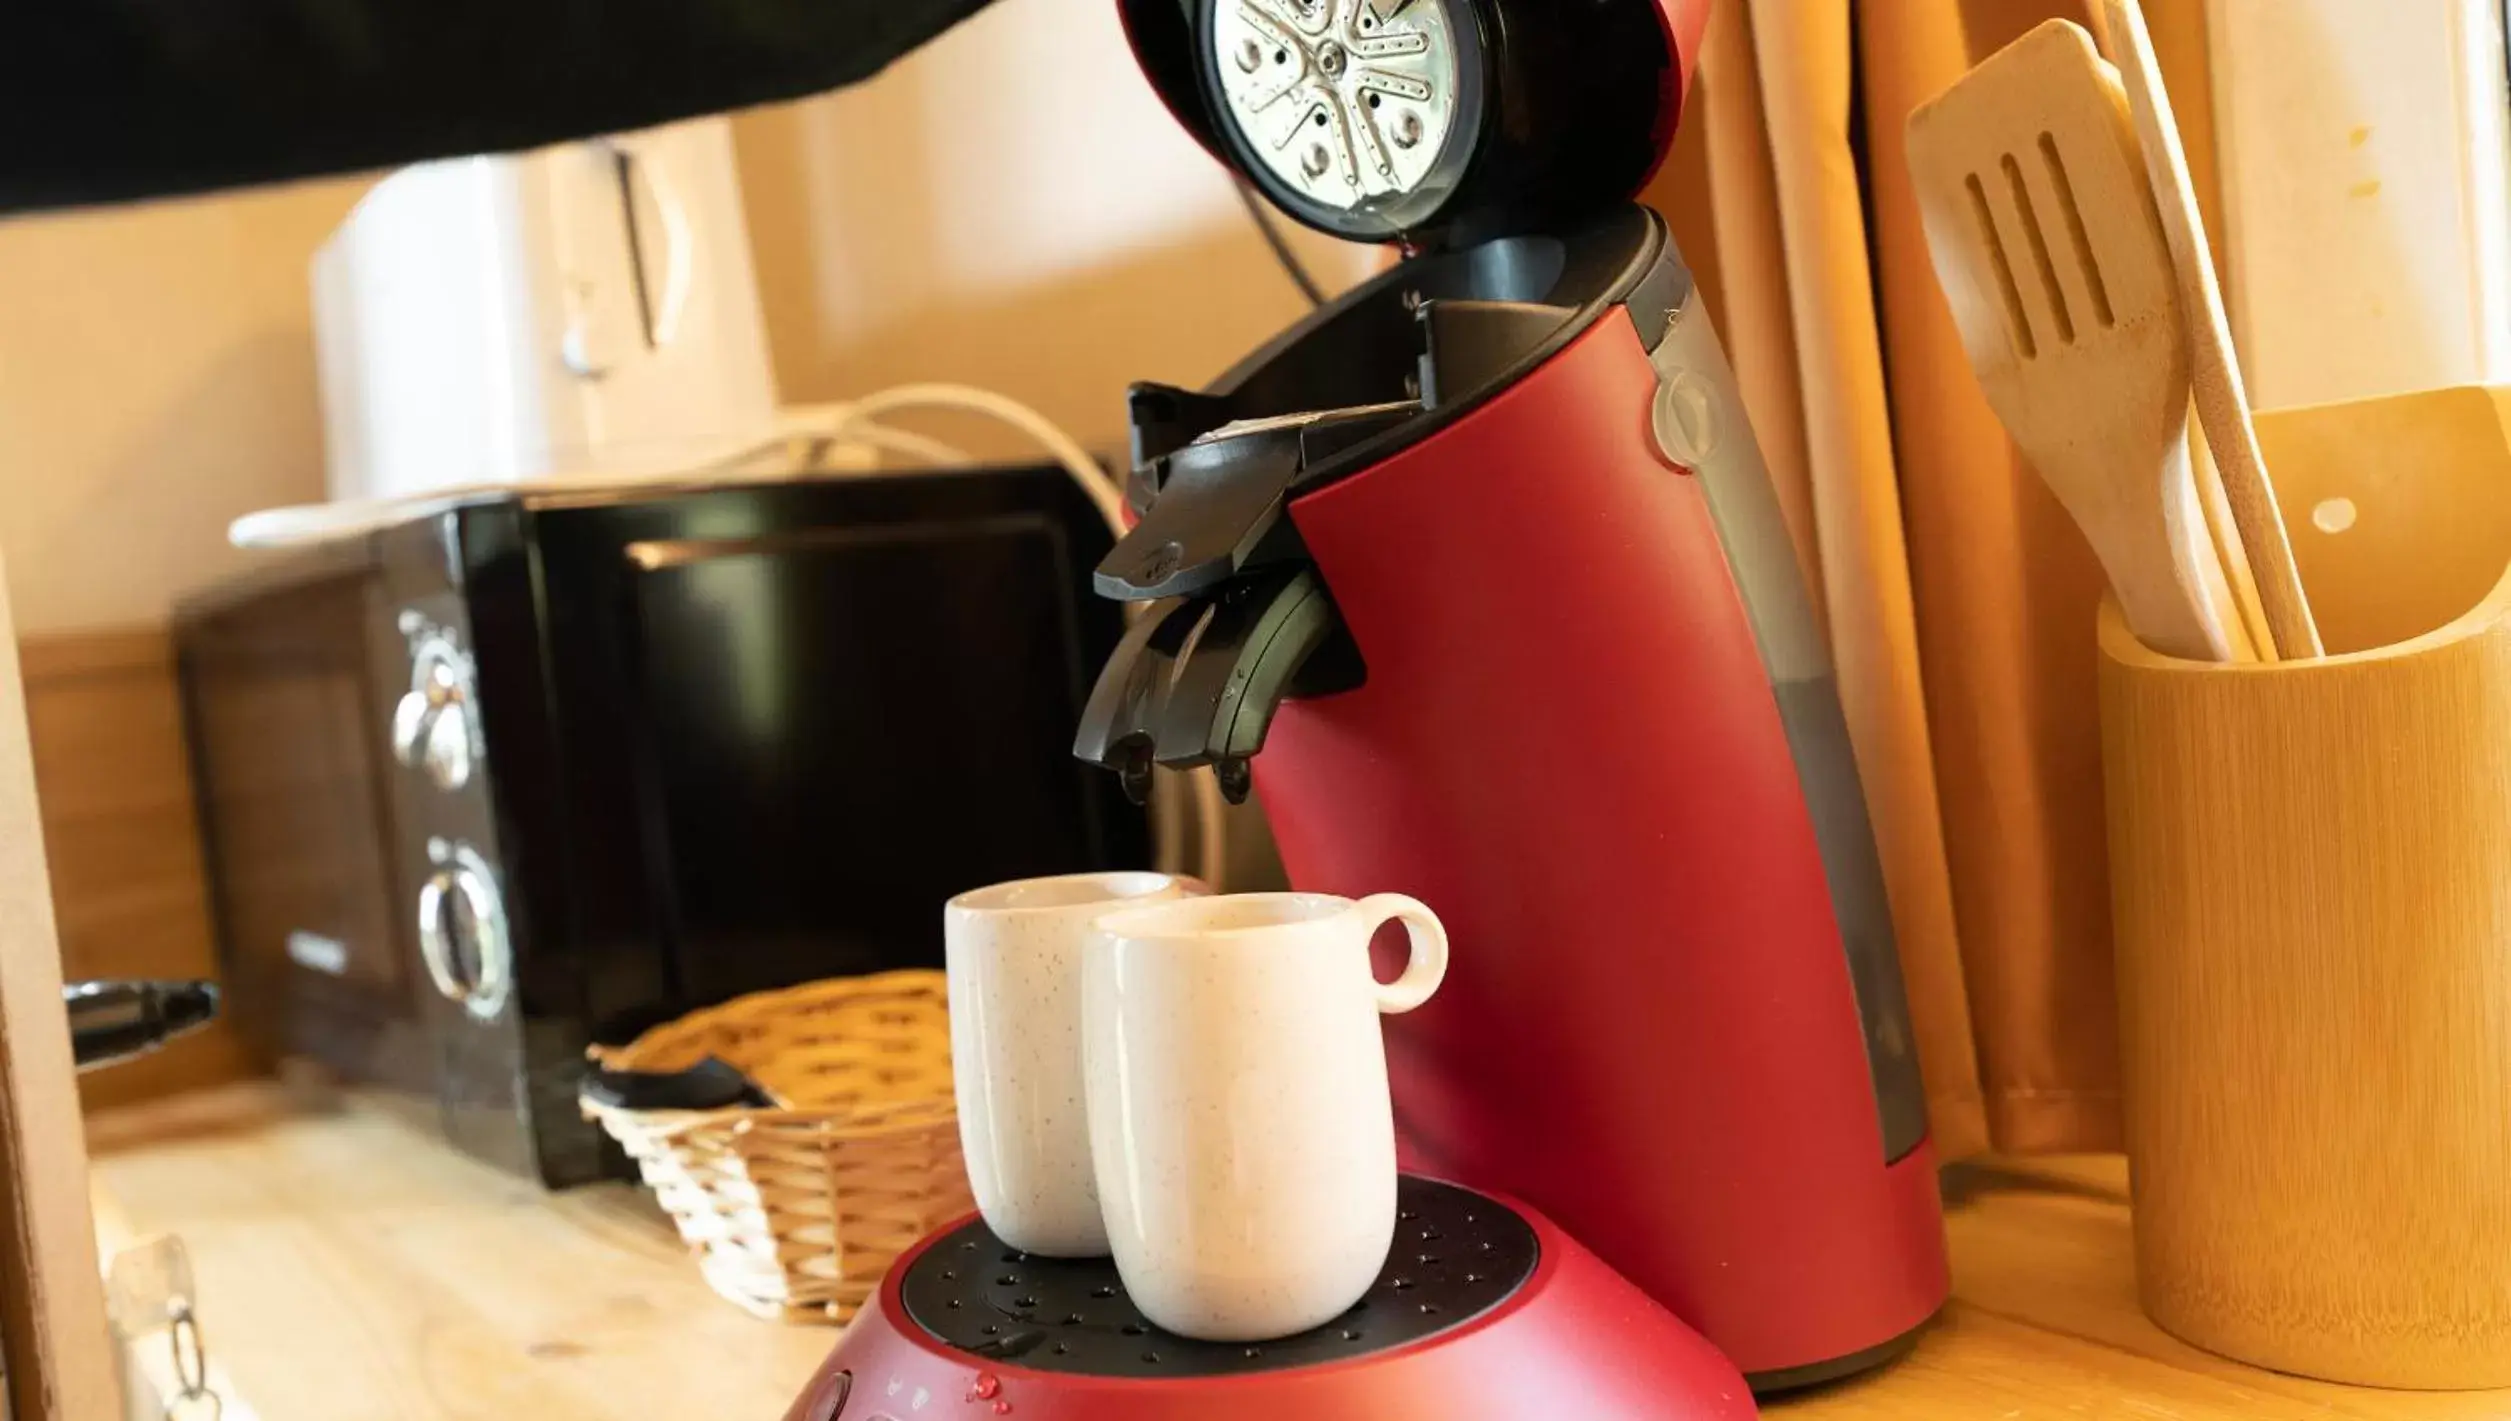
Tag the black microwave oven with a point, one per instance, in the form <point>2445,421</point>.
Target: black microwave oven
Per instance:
<point>496,784</point>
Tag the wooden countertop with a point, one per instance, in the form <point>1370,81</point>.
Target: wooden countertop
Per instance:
<point>351,1268</point>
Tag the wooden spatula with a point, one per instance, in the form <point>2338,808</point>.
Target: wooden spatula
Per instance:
<point>2222,405</point>
<point>2046,240</point>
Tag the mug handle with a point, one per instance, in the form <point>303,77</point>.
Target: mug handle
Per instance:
<point>1428,968</point>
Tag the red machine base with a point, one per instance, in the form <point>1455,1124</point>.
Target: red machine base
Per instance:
<point>1486,1312</point>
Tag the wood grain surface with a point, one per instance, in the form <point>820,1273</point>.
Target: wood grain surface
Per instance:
<point>52,1312</point>
<point>2044,1326</point>
<point>2312,889</point>
<point>122,836</point>
<point>351,1268</point>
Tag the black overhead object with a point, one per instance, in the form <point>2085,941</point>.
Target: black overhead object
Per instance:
<point>102,100</point>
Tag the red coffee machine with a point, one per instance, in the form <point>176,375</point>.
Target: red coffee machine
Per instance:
<point>1476,575</point>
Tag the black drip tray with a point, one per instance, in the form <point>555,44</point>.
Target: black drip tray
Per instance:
<point>1457,1255</point>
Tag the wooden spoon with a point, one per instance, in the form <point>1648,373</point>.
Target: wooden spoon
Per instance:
<point>2044,235</point>
<point>2222,404</point>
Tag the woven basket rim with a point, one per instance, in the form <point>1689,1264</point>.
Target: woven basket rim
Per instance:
<point>867,1118</point>
<point>909,981</point>
<point>895,1116</point>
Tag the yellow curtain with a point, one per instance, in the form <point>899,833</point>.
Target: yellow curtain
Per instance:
<point>1958,596</point>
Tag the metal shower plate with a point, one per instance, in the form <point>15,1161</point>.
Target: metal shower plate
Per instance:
<point>1349,103</point>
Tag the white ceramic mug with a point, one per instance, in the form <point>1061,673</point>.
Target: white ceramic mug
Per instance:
<point>1014,954</point>
<point>1239,1114</point>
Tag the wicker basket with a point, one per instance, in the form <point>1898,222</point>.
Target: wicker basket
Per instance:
<point>795,1213</point>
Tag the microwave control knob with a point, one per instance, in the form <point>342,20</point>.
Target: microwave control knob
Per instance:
<point>463,938</point>
<point>432,727</point>
<point>410,720</point>
<point>447,756</point>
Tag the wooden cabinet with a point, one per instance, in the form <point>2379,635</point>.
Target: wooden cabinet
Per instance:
<point>52,1317</point>
<point>121,832</point>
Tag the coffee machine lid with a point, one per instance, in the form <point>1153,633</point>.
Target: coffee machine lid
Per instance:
<point>1437,123</point>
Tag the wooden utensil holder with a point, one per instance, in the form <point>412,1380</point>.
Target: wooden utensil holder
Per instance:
<point>2311,874</point>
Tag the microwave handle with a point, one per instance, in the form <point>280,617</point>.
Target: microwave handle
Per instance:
<point>463,875</point>
<point>664,310</point>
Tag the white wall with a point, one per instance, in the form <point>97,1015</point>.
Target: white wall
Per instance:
<point>1011,206</point>
<point>156,379</point>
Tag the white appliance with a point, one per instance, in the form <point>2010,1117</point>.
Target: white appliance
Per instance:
<point>584,310</point>
<point>2366,172</point>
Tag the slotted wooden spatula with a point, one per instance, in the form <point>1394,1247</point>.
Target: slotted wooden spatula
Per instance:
<point>2045,237</point>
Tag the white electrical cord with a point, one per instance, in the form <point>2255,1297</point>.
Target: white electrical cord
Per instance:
<point>1103,491</point>
<point>924,449</point>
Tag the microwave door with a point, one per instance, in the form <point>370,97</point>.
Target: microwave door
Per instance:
<point>838,729</point>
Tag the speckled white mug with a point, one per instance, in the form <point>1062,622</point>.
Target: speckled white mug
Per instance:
<point>1239,1113</point>
<point>1014,957</point>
